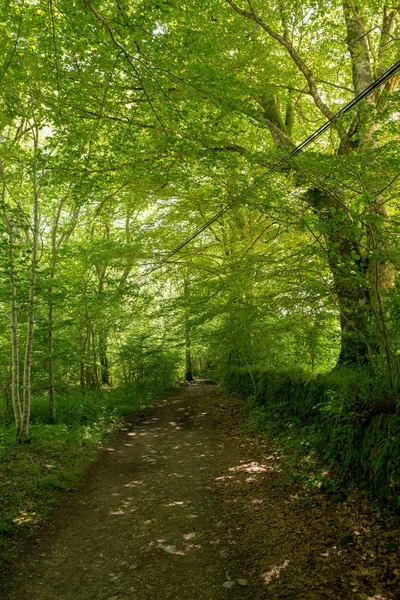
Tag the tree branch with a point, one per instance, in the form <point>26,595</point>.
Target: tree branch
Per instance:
<point>125,52</point>
<point>287,44</point>
<point>358,48</point>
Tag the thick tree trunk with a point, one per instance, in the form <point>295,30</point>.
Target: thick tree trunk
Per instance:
<point>188,364</point>
<point>359,283</point>
<point>361,330</point>
<point>360,277</point>
<point>355,321</point>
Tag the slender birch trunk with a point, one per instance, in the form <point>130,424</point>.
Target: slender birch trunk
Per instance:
<point>103,337</point>
<point>32,289</point>
<point>52,402</point>
<point>16,403</point>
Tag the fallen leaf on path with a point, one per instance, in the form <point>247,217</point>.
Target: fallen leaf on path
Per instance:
<point>170,549</point>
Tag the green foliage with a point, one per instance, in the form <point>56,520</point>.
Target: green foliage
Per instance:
<point>149,119</point>
<point>349,417</point>
<point>33,474</point>
<point>92,407</point>
<point>145,362</point>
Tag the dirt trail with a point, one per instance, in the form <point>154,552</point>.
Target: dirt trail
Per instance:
<point>183,507</point>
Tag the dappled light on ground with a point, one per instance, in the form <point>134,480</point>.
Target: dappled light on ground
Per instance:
<point>185,506</point>
<point>25,518</point>
<point>150,440</point>
<point>252,467</point>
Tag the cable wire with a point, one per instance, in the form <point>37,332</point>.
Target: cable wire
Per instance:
<point>293,153</point>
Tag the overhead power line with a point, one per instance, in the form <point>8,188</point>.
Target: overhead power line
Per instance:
<point>292,154</point>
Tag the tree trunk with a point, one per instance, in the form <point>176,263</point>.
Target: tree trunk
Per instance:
<point>186,326</point>
<point>32,290</point>
<point>95,374</point>
<point>16,403</point>
<point>53,264</point>
<point>82,375</point>
<point>7,395</point>
<point>105,378</point>
<point>349,268</point>
<point>188,360</point>
<point>359,283</point>
<point>52,403</point>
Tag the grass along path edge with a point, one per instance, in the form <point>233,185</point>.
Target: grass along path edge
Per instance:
<point>34,475</point>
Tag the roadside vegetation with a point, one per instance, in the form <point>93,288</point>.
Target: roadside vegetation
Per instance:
<point>344,422</point>
<point>188,187</point>
<point>35,474</point>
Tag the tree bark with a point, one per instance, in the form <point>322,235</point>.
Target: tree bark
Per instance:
<point>105,377</point>
<point>188,355</point>
<point>32,292</point>
<point>16,402</point>
<point>359,294</point>
<point>15,396</point>
<point>52,402</point>
<point>186,326</point>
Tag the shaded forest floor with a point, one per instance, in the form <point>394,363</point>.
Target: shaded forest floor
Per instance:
<point>184,504</point>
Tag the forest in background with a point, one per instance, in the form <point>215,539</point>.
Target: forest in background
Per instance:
<point>125,128</point>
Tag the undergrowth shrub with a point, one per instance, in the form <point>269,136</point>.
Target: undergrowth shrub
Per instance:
<point>349,416</point>
<point>76,407</point>
<point>32,475</point>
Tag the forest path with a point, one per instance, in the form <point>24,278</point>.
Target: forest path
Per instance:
<point>183,505</point>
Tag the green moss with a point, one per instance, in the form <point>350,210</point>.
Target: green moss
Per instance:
<point>347,417</point>
<point>32,476</point>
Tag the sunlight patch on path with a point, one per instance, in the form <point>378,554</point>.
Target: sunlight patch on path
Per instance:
<point>274,572</point>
